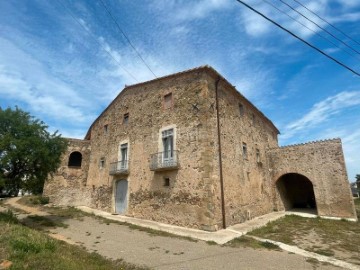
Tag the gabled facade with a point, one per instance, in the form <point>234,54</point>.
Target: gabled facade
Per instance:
<point>188,149</point>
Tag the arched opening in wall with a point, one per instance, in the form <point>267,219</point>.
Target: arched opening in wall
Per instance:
<point>75,159</point>
<point>297,193</point>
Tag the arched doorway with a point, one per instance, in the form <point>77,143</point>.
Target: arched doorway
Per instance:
<point>296,192</point>
<point>75,159</point>
<point>121,188</point>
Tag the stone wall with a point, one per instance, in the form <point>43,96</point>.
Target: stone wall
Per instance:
<point>247,182</point>
<point>193,196</point>
<point>323,164</point>
<point>66,186</point>
<point>188,199</point>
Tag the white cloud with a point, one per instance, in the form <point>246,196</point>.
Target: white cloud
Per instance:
<point>349,3</point>
<point>257,26</point>
<point>322,111</point>
<point>17,89</point>
<point>191,10</point>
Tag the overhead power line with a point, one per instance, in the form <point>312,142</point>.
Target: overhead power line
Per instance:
<point>312,30</point>
<point>299,38</point>
<point>127,38</point>
<point>322,28</point>
<point>324,20</point>
<point>101,45</point>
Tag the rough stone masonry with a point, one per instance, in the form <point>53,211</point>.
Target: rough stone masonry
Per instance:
<point>188,149</point>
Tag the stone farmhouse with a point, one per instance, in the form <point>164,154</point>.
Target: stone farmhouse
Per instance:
<point>188,149</point>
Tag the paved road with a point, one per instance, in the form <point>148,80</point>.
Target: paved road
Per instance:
<point>158,252</point>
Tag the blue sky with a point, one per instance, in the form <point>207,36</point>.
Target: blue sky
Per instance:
<point>63,74</point>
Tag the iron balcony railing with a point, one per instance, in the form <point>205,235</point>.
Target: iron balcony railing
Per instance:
<point>162,161</point>
<point>119,167</point>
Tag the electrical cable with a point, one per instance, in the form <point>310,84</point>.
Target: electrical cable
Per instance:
<point>333,26</point>
<point>312,30</point>
<point>299,38</point>
<point>322,28</point>
<point>92,35</point>
<point>127,38</point>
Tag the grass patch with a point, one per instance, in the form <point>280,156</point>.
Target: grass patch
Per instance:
<point>313,261</point>
<point>30,249</point>
<point>8,217</point>
<point>269,245</point>
<point>334,238</point>
<point>32,200</point>
<point>245,241</point>
<point>72,212</point>
<point>150,231</point>
<point>67,212</point>
<point>43,221</point>
<point>325,252</point>
<point>64,212</point>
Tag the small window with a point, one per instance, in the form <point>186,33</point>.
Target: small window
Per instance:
<point>258,156</point>
<point>241,110</point>
<point>124,151</point>
<point>168,144</point>
<point>244,151</point>
<point>106,128</point>
<point>75,159</point>
<point>168,101</point>
<point>124,156</point>
<point>166,182</point>
<point>253,119</point>
<point>102,163</point>
<point>126,118</point>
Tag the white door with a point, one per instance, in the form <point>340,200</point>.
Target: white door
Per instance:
<point>121,196</point>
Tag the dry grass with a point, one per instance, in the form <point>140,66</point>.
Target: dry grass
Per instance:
<point>335,238</point>
<point>73,213</point>
<point>30,249</point>
<point>245,241</point>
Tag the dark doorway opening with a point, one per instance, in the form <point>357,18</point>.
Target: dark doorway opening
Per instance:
<point>75,159</point>
<point>296,192</point>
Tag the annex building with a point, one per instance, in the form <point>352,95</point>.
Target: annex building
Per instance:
<point>188,149</point>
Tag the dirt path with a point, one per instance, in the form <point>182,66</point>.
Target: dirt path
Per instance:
<point>158,252</point>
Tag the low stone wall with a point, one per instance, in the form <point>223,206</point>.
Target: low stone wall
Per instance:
<point>322,163</point>
<point>99,198</point>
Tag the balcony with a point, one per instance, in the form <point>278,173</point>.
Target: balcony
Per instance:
<point>119,168</point>
<point>164,161</point>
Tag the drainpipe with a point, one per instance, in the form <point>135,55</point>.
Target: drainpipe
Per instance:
<point>220,155</point>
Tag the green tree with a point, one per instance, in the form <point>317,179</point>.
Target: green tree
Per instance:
<point>28,152</point>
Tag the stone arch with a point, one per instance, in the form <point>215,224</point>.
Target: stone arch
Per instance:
<point>296,192</point>
<point>75,159</point>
